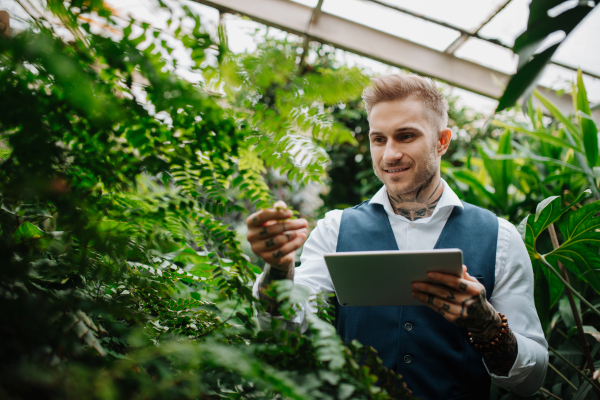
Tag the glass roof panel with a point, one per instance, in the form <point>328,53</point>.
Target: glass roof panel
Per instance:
<point>581,49</point>
<point>465,14</point>
<point>559,78</point>
<point>310,3</point>
<point>393,22</point>
<point>489,55</point>
<point>509,23</point>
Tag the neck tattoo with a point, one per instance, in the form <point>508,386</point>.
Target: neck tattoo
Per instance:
<point>417,205</point>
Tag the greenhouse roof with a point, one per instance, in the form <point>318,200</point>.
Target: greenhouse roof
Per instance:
<point>466,43</point>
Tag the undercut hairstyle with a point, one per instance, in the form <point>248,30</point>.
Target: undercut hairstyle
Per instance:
<point>402,86</point>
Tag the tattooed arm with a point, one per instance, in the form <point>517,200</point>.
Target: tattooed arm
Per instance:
<point>463,302</point>
<point>275,240</point>
<point>270,274</point>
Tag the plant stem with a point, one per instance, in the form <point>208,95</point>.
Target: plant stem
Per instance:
<point>582,339</point>
<point>549,394</point>
<point>562,376</point>
<point>576,293</point>
<point>572,366</point>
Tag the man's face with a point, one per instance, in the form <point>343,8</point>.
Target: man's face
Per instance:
<point>404,145</point>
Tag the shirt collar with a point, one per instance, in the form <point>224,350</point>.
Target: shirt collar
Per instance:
<point>449,199</point>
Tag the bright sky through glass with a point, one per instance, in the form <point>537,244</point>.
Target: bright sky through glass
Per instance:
<point>393,22</point>
<point>465,14</point>
<point>581,49</point>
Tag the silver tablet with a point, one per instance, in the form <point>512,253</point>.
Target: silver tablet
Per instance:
<point>383,278</point>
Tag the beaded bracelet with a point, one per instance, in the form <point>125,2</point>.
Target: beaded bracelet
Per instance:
<point>495,341</point>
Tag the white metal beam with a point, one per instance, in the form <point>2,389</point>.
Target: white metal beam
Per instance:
<point>362,40</point>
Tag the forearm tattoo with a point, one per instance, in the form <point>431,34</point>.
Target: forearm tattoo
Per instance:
<point>269,275</point>
<point>415,205</point>
<point>484,323</point>
<point>501,359</point>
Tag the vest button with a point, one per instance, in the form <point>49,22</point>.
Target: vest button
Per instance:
<point>408,327</point>
<point>407,359</point>
<point>412,225</point>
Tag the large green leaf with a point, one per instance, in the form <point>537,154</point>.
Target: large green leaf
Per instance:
<point>525,79</point>
<point>547,212</point>
<point>532,226</point>
<point>541,295</point>
<point>542,25</point>
<point>581,238</point>
<point>582,391</point>
<point>29,233</point>
<point>588,127</point>
<point>539,26</point>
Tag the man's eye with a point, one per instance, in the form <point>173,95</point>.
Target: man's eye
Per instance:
<point>378,140</point>
<point>404,137</point>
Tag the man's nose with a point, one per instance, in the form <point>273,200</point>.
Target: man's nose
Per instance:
<point>393,153</point>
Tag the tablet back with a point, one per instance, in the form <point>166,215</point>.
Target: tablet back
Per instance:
<point>383,278</point>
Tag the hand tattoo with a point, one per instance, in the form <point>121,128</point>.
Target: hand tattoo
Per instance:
<point>451,296</point>
<point>462,287</point>
<point>441,312</point>
<point>264,232</point>
<point>430,299</point>
<point>478,316</point>
<point>277,255</point>
<point>270,243</point>
<point>446,307</point>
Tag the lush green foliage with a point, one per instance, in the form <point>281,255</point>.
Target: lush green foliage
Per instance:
<point>119,278</point>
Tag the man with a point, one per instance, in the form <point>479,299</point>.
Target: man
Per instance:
<point>451,348</point>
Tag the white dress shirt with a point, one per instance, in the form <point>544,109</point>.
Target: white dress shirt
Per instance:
<point>513,287</point>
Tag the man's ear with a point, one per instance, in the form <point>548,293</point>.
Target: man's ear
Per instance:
<point>443,142</point>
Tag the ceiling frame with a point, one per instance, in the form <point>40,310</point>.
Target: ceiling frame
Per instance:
<point>463,38</point>
<point>466,34</point>
<point>371,43</point>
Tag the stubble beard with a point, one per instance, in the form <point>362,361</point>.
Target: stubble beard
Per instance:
<point>422,180</point>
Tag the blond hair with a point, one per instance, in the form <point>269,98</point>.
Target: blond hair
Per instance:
<point>402,86</point>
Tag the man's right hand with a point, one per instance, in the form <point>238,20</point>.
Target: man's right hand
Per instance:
<point>274,238</point>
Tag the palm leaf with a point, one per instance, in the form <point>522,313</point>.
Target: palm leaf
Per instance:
<point>588,127</point>
<point>547,212</point>
<point>538,134</point>
<point>581,237</point>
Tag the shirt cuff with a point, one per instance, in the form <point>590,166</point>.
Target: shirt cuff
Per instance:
<point>529,370</point>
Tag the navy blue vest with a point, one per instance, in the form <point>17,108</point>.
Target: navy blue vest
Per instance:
<point>433,355</point>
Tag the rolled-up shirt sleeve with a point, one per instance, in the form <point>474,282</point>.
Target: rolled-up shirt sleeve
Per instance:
<point>513,296</point>
<point>312,273</point>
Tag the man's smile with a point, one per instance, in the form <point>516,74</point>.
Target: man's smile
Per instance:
<point>396,170</point>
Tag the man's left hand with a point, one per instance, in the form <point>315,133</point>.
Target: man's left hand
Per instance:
<point>462,301</point>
